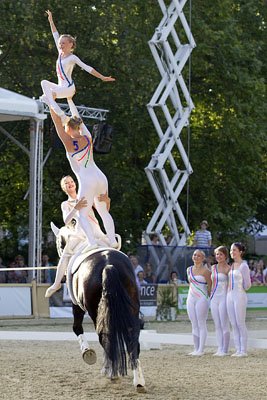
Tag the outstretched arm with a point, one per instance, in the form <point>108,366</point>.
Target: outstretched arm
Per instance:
<point>50,19</point>
<point>92,71</point>
<point>102,77</point>
<point>64,137</point>
<point>53,28</point>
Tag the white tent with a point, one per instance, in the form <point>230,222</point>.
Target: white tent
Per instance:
<point>14,107</point>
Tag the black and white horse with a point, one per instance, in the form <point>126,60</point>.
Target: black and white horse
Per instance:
<point>104,285</point>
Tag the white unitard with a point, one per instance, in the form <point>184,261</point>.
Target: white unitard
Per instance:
<point>92,182</point>
<point>198,308</point>
<point>69,212</point>
<point>219,309</point>
<point>238,282</point>
<point>75,239</point>
<point>65,87</point>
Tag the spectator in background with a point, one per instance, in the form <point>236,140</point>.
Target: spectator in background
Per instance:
<point>12,277</point>
<point>251,264</point>
<point>264,271</point>
<point>168,240</point>
<point>48,275</point>
<point>210,261</point>
<point>155,240</point>
<point>140,279</point>
<point>23,274</point>
<point>137,266</point>
<point>203,236</point>
<point>252,273</point>
<point>174,278</point>
<point>258,278</point>
<point>3,274</point>
<point>150,277</point>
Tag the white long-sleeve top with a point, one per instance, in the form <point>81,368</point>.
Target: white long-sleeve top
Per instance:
<point>64,67</point>
<point>239,279</point>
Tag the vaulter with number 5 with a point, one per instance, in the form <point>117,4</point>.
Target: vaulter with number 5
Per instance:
<point>92,182</point>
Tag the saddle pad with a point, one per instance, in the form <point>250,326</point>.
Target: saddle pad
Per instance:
<point>75,263</point>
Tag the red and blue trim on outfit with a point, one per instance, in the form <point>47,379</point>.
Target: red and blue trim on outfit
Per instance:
<point>231,279</point>
<point>88,151</point>
<point>214,280</point>
<point>72,203</point>
<point>61,71</point>
<point>194,284</point>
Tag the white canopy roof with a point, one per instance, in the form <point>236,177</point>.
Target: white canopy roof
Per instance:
<point>14,106</point>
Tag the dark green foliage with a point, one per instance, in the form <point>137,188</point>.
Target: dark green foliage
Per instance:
<point>228,126</point>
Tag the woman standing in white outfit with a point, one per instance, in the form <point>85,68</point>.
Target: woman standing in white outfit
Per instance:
<point>219,278</point>
<point>198,301</point>
<point>238,282</point>
<point>65,64</point>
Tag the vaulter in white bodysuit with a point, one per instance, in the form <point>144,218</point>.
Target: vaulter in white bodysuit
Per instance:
<point>70,209</point>
<point>92,183</point>
<point>219,279</point>
<point>69,212</point>
<point>198,301</point>
<point>238,282</point>
<point>64,67</point>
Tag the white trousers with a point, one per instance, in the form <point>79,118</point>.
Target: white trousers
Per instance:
<point>221,321</point>
<point>236,308</point>
<point>197,310</point>
<point>92,183</point>
<point>62,92</point>
<point>65,258</point>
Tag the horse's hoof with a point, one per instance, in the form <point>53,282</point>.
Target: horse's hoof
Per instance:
<point>114,379</point>
<point>141,389</point>
<point>89,356</point>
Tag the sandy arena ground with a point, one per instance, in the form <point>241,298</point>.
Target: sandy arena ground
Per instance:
<point>46,370</point>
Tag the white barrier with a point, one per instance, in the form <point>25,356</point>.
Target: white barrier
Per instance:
<point>146,337</point>
<point>15,301</point>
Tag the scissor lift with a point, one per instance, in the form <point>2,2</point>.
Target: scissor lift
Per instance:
<point>170,108</point>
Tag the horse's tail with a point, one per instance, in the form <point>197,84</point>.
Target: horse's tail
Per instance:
<point>117,322</point>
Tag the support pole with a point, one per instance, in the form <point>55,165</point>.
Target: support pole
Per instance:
<point>33,191</point>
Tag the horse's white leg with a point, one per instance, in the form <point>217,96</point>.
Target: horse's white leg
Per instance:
<point>89,355</point>
<point>139,380</point>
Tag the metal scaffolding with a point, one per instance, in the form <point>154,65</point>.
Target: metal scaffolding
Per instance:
<point>84,112</point>
<point>170,108</point>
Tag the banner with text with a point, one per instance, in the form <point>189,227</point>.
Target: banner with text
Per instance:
<point>257,297</point>
<point>148,295</point>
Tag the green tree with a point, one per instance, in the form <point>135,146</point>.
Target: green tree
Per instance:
<point>228,126</point>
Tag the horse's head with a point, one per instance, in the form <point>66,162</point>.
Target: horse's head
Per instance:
<point>63,235</point>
